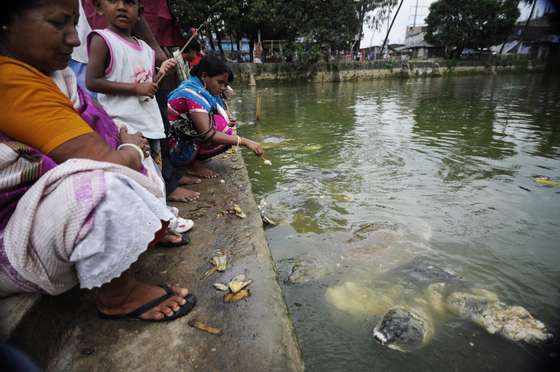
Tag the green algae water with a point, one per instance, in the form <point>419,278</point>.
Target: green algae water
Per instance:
<point>449,165</point>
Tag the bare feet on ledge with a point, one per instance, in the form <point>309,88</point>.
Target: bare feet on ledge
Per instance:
<point>127,298</point>
<point>197,168</point>
<point>172,240</point>
<point>189,180</point>
<point>181,194</point>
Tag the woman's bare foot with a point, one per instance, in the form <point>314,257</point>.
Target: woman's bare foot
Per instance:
<point>170,237</point>
<point>189,180</point>
<point>181,194</point>
<point>196,168</point>
<point>124,295</point>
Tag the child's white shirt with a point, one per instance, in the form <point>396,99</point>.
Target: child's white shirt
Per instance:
<point>130,62</point>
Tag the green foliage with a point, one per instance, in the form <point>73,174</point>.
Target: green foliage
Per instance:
<point>476,24</point>
<point>390,64</point>
<point>312,27</point>
<point>451,64</point>
<point>518,61</point>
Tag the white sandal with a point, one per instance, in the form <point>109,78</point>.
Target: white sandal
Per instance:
<point>180,225</point>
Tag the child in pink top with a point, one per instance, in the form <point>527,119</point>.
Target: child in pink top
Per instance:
<point>121,71</point>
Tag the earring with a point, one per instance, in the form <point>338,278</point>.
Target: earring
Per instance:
<point>4,28</point>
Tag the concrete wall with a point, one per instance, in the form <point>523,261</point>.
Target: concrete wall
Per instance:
<point>334,72</point>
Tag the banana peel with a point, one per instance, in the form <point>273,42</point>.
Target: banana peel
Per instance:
<point>205,327</point>
<point>236,209</point>
<point>235,285</point>
<point>238,283</point>
<point>221,287</point>
<point>219,263</point>
<point>235,297</point>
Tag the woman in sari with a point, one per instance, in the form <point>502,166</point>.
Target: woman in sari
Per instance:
<point>73,210</point>
<point>199,123</point>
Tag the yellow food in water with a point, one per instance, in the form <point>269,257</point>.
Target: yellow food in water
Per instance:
<point>547,181</point>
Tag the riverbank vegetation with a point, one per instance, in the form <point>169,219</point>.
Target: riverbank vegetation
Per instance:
<point>457,25</point>
<point>311,29</point>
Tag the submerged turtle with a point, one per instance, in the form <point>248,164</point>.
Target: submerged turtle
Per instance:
<point>302,269</point>
<point>408,325</point>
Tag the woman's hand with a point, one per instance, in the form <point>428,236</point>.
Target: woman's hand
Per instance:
<point>232,123</point>
<point>232,120</point>
<point>167,66</point>
<point>253,146</point>
<point>135,139</point>
<point>148,89</point>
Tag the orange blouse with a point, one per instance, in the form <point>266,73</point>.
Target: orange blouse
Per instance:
<point>33,110</point>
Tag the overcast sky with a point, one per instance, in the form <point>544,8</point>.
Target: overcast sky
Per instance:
<point>406,17</point>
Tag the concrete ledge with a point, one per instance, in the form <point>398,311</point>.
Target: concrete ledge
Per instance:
<point>63,333</point>
<point>12,312</point>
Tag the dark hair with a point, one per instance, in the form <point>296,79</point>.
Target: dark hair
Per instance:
<point>211,65</point>
<point>193,45</point>
<point>10,8</point>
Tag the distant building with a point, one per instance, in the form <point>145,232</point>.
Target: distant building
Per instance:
<point>417,47</point>
<point>539,40</point>
<point>374,52</point>
<point>371,53</point>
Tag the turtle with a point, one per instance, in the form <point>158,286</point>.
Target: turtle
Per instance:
<point>381,245</point>
<point>408,324</point>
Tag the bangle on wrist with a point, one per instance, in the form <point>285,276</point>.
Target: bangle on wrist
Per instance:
<point>238,141</point>
<point>135,147</point>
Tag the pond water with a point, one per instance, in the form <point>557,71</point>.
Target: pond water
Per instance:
<point>367,176</point>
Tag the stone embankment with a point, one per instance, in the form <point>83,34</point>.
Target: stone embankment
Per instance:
<point>352,71</point>
<point>63,333</point>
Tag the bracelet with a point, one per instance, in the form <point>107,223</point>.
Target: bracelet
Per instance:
<point>132,145</point>
<point>238,140</point>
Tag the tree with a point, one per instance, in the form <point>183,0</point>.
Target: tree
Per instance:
<point>365,14</point>
<point>475,24</point>
<point>313,28</point>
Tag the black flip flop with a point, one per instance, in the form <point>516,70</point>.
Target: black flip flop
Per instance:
<point>185,239</point>
<point>135,315</point>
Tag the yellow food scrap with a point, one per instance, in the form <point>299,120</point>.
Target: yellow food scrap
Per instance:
<point>547,181</point>
<point>235,297</point>
<point>205,327</point>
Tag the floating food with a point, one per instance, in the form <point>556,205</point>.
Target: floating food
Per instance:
<point>238,283</point>
<point>311,148</point>
<point>343,197</point>
<point>221,287</point>
<point>235,297</point>
<point>205,327</point>
<point>547,181</point>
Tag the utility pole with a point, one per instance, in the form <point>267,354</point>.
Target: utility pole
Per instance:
<point>415,14</point>
<point>391,26</point>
